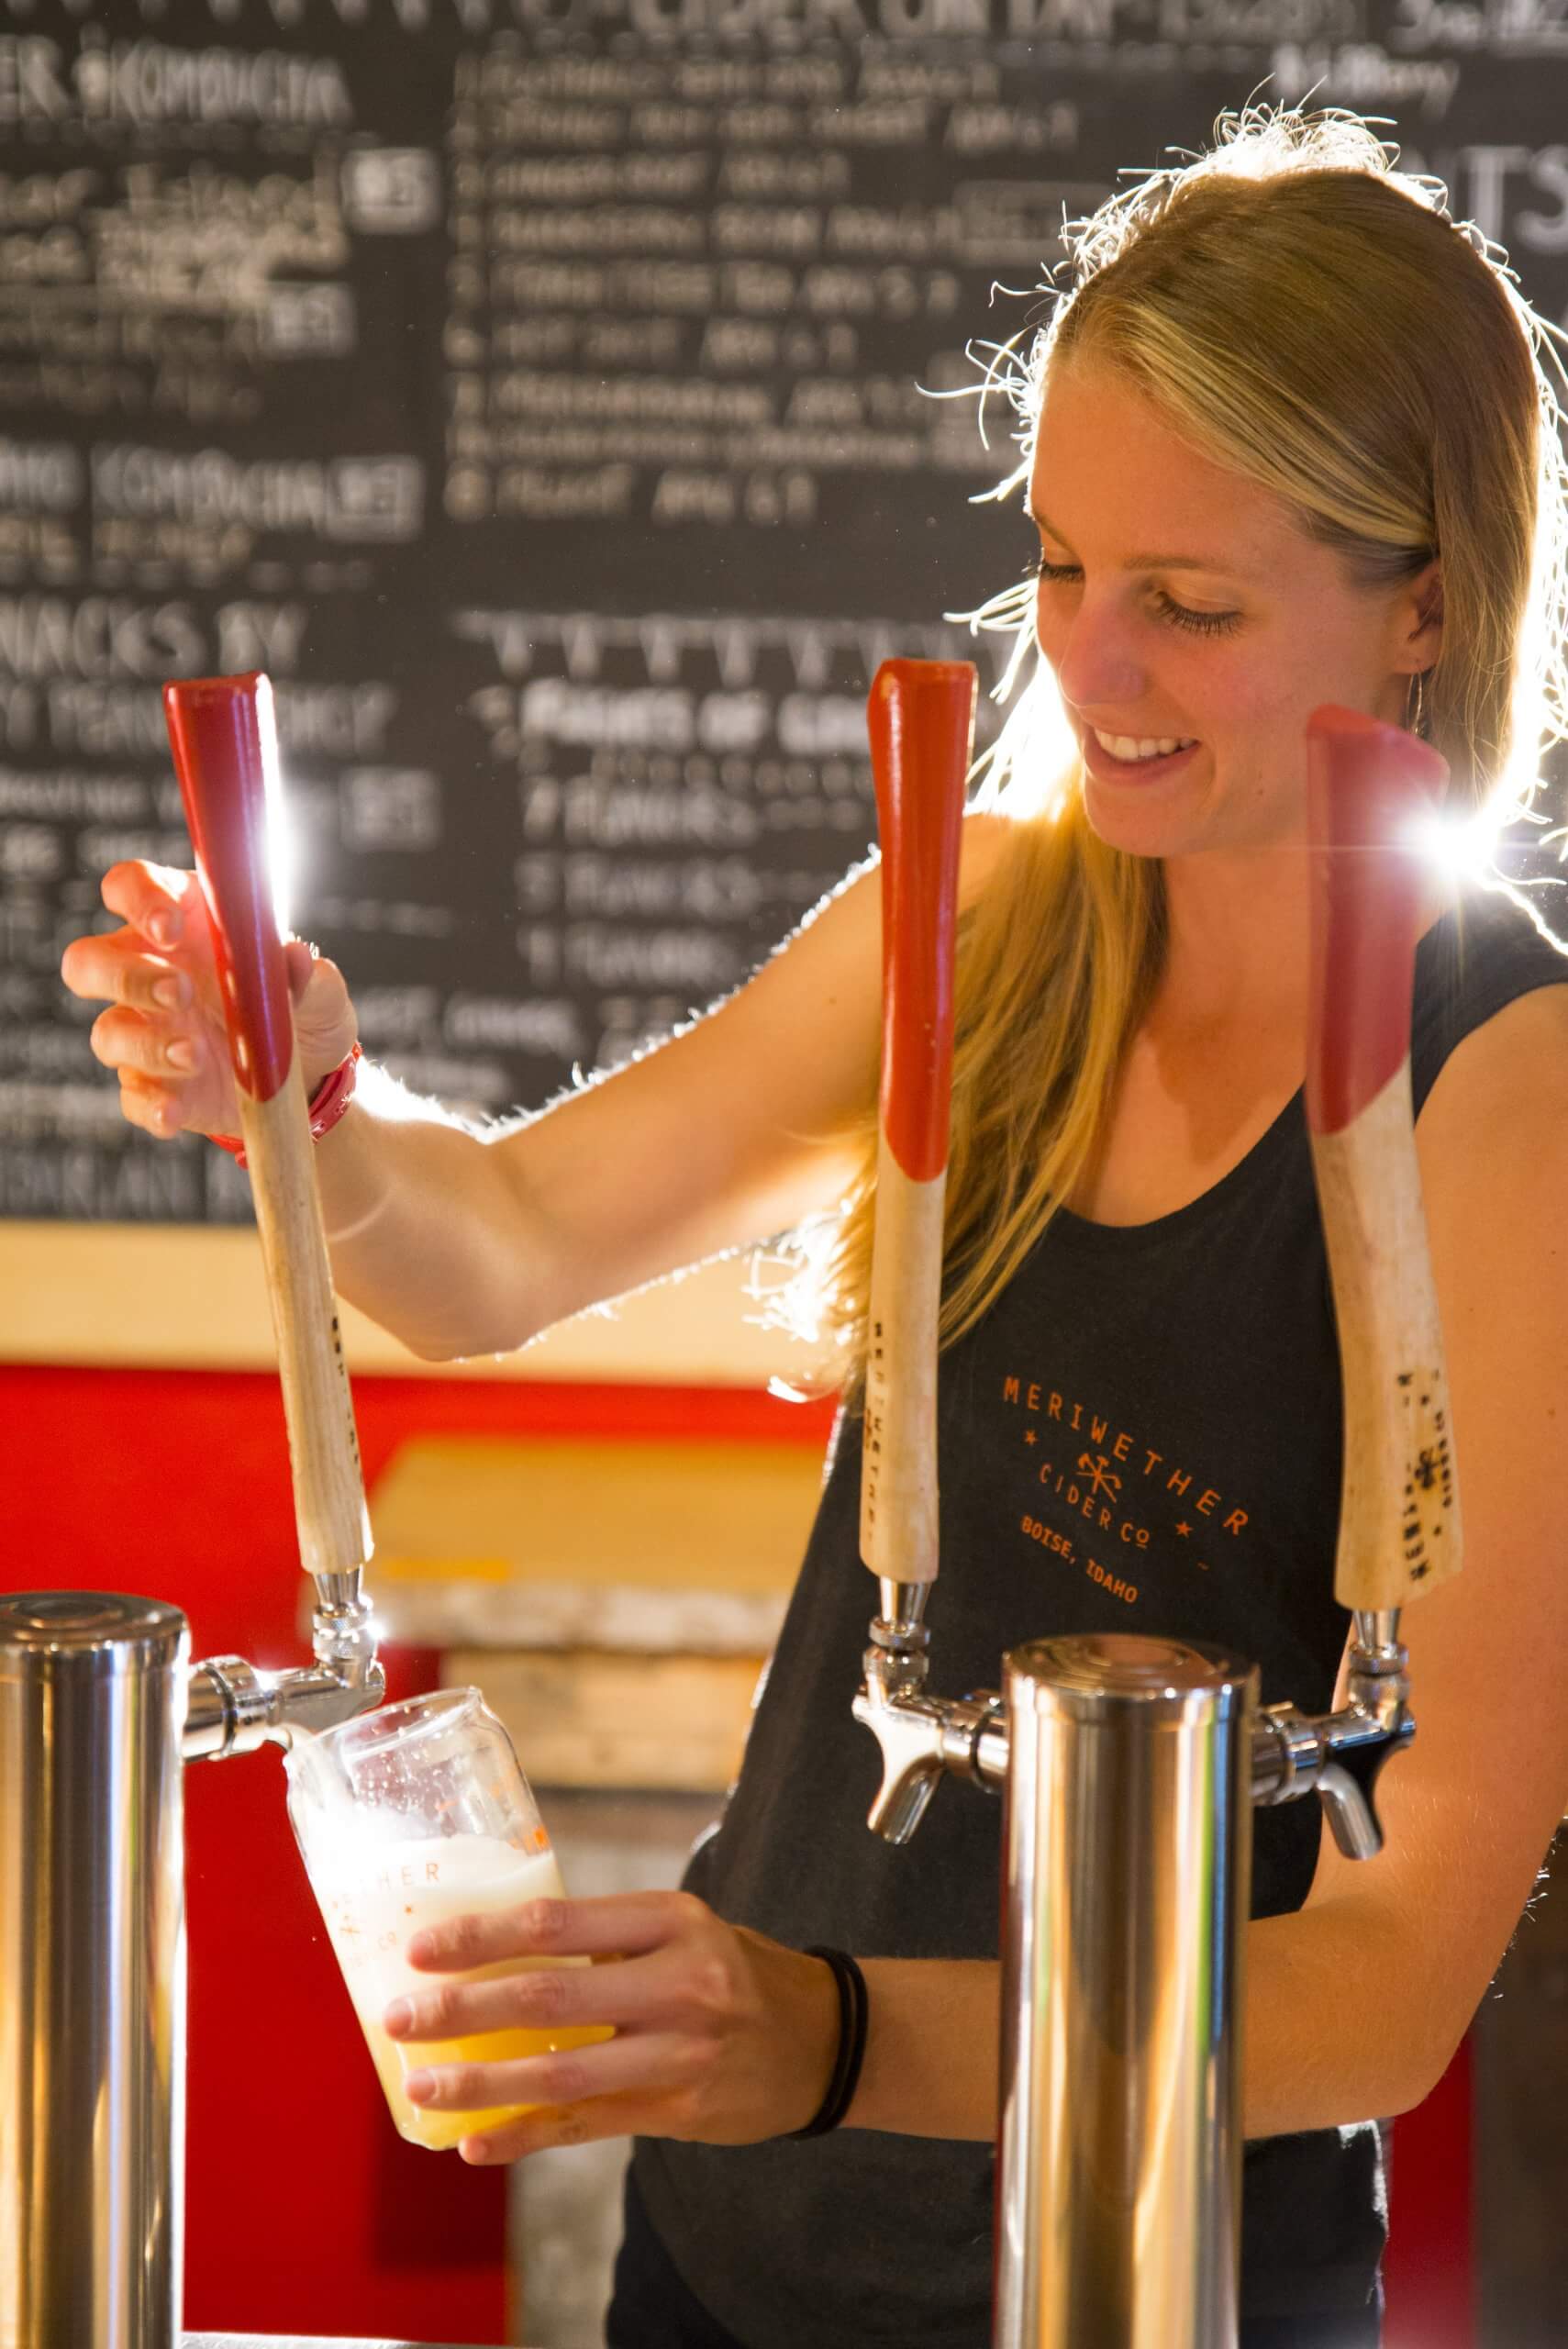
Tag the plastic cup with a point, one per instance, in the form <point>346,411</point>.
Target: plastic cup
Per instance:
<point>407,1816</point>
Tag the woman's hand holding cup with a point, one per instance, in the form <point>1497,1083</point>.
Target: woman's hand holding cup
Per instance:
<point>720,2034</point>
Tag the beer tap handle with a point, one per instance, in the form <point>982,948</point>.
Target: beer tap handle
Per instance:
<point>920,717</point>
<point>1368,785</point>
<point>225,746</point>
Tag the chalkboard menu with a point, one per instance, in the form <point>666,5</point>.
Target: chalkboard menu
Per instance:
<point>552,397</point>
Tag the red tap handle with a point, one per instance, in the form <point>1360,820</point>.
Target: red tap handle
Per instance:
<point>225,757</point>
<point>1369,787</point>
<point>921,721</point>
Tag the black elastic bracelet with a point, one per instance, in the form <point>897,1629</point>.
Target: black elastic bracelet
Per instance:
<point>853,2015</point>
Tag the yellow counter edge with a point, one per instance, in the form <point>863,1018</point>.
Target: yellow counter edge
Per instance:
<point>182,1298</point>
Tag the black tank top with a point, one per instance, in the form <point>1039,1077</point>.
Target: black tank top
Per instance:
<point>1143,1432</point>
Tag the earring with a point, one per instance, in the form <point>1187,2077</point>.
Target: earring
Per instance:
<point>1414,719</point>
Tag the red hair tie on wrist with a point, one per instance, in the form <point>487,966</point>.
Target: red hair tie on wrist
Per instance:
<point>327,1103</point>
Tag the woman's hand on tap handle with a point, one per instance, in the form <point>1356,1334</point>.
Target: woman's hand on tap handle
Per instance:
<point>163,1034</point>
<point>720,2036</point>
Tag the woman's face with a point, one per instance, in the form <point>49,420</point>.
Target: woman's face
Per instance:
<point>1179,602</point>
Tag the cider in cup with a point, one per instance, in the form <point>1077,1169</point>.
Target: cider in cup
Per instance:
<point>407,1818</point>
<point>372,1918</point>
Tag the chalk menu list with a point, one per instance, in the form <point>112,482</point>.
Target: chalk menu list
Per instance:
<point>566,402</point>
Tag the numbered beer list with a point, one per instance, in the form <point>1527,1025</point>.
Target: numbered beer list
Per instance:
<point>567,406</point>
<point>729,289</point>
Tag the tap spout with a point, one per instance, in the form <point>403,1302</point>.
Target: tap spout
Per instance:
<point>922,1738</point>
<point>232,1707</point>
<point>891,1705</point>
<point>1342,1754</point>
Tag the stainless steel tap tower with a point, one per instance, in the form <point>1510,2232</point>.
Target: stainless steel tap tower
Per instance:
<point>1132,1765</point>
<point>100,1705</point>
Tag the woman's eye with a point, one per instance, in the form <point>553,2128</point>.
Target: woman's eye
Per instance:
<point>1178,615</point>
<point>1206,623</point>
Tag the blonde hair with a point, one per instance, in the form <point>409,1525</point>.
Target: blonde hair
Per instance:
<point>1310,318</point>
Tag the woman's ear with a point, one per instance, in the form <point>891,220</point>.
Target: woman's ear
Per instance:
<point>1424,606</point>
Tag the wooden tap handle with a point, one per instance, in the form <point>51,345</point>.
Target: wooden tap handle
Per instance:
<point>1369,785</point>
<point>224,746</point>
<point>920,717</point>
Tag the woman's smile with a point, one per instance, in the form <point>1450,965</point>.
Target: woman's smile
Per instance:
<point>1142,772</point>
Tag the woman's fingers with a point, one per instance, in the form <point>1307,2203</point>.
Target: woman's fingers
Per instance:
<point>645,2061</point>
<point>148,1104</point>
<point>152,899</point>
<point>157,970</point>
<point>300,958</point>
<point>617,1924</point>
<point>114,967</point>
<point>576,2124</point>
<point>636,1991</point>
<point>173,1071</point>
<point>170,1082</point>
<point>121,1038</point>
<point>538,1999</point>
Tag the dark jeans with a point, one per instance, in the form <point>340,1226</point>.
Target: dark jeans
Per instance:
<point>653,2309</point>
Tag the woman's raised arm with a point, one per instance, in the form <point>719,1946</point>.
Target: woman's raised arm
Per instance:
<point>467,1241</point>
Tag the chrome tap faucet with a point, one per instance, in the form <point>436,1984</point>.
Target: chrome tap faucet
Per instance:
<point>232,1707</point>
<point>1342,1754</point>
<point>922,1738</point>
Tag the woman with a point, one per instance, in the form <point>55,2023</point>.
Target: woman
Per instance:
<point>1286,443</point>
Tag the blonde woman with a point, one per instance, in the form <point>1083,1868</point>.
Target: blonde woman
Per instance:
<point>1287,440</point>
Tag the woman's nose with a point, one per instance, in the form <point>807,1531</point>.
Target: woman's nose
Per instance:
<point>1087,646</point>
